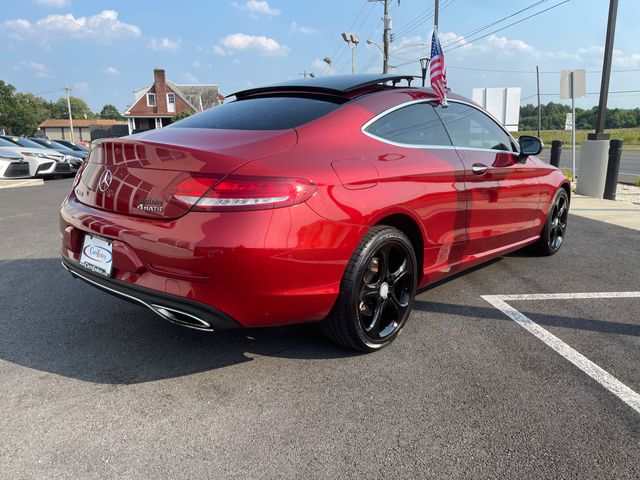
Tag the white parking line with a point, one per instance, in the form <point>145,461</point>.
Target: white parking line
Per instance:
<point>600,375</point>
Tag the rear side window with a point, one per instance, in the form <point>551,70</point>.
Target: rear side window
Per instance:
<point>262,113</point>
<point>415,124</point>
<point>470,128</point>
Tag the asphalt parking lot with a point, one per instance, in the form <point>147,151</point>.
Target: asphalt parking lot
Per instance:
<point>94,387</point>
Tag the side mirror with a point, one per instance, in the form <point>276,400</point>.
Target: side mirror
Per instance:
<point>530,145</point>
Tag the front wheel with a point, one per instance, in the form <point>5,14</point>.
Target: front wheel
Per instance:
<point>555,228</point>
<point>377,291</point>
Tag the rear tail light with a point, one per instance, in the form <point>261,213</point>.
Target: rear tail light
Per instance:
<point>243,193</point>
<point>76,180</point>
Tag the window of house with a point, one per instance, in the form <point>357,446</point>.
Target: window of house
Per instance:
<point>415,124</point>
<point>469,127</point>
<point>151,99</point>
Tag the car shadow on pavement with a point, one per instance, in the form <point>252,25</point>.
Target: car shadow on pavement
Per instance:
<point>544,320</point>
<point>54,323</point>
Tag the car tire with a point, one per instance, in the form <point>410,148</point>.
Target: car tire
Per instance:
<point>376,293</point>
<point>555,228</point>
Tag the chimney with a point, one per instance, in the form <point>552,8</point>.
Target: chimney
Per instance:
<point>160,87</point>
<point>158,76</point>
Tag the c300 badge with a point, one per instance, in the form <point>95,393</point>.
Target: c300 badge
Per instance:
<point>155,206</point>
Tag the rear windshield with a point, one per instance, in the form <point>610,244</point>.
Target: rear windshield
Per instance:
<point>262,113</point>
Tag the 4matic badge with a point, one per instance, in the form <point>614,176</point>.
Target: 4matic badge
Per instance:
<point>156,206</point>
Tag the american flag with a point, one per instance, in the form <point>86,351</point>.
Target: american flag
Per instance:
<point>438,71</point>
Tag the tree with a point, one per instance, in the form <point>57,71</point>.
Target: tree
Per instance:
<point>110,112</point>
<point>28,113</point>
<point>7,104</point>
<point>79,109</point>
<point>183,114</point>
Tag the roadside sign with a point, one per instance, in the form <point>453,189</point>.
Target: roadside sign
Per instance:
<point>579,84</point>
<point>568,121</point>
<point>572,85</point>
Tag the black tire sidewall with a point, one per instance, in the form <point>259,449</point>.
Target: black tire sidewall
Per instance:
<point>547,225</point>
<point>387,235</point>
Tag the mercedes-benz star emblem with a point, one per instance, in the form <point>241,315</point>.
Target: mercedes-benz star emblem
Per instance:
<point>105,181</point>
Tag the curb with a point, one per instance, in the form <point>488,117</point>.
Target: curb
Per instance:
<point>30,182</point>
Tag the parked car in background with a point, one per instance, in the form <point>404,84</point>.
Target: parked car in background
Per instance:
<point>74,157</point>
<point>78,147</point>
<point>13,164</point>
<point>43,162</point>
<point>328,200</point>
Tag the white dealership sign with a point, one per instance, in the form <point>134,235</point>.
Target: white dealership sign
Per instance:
<point>502,103</point>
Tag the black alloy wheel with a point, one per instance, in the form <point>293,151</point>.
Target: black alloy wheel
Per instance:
<point>377,291</point>
<point>559,216</point>
<point>385,291</point>
<point>555,228</point>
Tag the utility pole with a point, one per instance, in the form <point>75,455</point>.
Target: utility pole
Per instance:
<point>539,108</point>
<point>385,38</point>
<point>436,8</point>
<point>66,91</point>
<point>606,73</point>
<point>386,35</point>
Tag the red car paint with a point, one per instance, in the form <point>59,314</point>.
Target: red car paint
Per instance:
<point>284,265</point>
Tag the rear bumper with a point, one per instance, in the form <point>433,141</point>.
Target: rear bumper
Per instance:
<point>181,311</point>
<point>261,268</point>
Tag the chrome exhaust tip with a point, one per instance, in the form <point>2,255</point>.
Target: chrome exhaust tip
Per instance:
<point>181,318</point>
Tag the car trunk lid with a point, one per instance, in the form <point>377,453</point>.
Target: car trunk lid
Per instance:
<point>140,175</point>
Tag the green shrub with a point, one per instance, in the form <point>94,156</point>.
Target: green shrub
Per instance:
<point>567,173</point>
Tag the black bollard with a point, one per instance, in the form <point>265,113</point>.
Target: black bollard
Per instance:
<point>613,169</point>
<point>556,150</point>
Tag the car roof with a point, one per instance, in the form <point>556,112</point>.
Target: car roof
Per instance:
<point>340,85</point>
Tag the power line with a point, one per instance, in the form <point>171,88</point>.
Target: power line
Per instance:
<point>614,92</point>
<point>480,29</point>
<point>339,51</point>
<point>507,26</point>
<point>497,30</point>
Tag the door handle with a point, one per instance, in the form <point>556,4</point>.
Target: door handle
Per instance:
<point>479,168</point>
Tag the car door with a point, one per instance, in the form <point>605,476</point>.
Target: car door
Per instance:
<point>421,170</point>
<point>502,187</point>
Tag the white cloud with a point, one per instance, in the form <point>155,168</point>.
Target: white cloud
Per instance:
<point>257,7</point>
<point>218,50</point>
<point>80,88</point>
<point>164,44</point>
<point>197,64</point>
<point>103,26</point>
<point>54,3</point>
<point>111,71</point>
<point>241,41</point>
<point>37,69</point>
<point>304,30</point>
<point>190,78</point>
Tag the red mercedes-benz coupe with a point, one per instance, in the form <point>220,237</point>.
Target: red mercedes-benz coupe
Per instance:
<point>326,200</point>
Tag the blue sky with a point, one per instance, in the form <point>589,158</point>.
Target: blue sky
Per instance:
<point>106,49</point>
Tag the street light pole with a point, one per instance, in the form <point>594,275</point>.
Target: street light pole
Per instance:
<point>66,91</point>
<point>352,40</point>
<point>539,108</point>
<point>328,61</point>
<point>424,64</point>
<point>606,74</point>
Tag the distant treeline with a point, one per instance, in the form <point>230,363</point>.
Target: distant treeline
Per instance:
<point>554,116</point>
<point>21,113</point>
